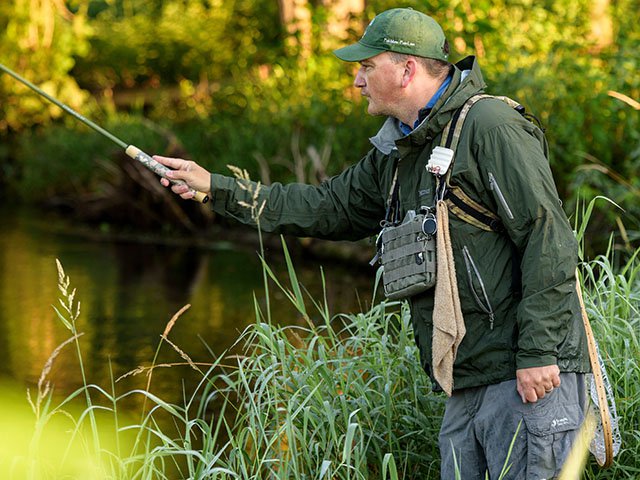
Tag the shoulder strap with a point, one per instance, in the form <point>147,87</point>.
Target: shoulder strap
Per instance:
<point>458,202</point>
<point>451,133</point>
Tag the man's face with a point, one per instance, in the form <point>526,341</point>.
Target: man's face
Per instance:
<point>379,80</point>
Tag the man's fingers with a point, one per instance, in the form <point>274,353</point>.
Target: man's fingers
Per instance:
<point>174,163</point>
<point>179,169</point>
<point>167,182</point>
<point>182,190</point>
<point>526,394</point>
<point>194,176</point>
<point>536,382</point>
<point>529,395</point>
<point>540,392</point>
<point>532,395</point>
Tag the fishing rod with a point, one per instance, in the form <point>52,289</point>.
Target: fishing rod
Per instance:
<point>131,150</point>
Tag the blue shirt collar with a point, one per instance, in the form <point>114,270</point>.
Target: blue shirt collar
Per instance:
<point>406,129</point>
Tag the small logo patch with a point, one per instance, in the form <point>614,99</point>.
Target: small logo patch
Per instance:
<point>559,422</point>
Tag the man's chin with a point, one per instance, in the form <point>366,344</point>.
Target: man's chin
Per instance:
<point>373,111</point>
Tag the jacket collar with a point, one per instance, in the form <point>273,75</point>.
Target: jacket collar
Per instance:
<point>467,81</point>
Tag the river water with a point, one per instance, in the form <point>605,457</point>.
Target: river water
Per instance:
<point>128,291</point>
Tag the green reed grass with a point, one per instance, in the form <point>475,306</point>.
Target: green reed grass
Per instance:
<point>340,397</point>
<point>613,305</point>
<point>611,283</point>
<point>345,399</point>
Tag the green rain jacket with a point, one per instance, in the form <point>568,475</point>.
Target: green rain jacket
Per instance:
<point>517,289</point>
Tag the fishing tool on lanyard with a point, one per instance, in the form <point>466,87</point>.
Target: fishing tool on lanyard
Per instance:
<point>131,150</point>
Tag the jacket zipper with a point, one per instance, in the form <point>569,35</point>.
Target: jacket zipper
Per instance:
<point>472,271</point>
<point>493,185</point>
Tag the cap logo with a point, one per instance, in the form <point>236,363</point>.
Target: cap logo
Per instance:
<point>403,43</point>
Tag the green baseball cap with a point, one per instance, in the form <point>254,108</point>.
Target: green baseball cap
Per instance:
<point>400,30</point>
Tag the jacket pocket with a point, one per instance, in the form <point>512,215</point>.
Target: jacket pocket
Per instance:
<point>477,286</point>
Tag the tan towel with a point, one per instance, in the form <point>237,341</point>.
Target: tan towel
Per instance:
<point>448,324</point>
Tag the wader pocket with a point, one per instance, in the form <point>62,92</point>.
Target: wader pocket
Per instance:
<point>551,430</point>
<point>408,256</point>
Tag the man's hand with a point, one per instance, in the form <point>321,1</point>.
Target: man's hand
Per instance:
<point>195,177</point>
<point>534,383</point>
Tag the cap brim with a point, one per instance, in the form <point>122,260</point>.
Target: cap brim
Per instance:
<point>356,52</point>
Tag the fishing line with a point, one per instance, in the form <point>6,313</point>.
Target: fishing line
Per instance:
<point>131,150</point>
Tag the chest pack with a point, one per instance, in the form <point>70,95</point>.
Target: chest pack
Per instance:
<point>406,249</point>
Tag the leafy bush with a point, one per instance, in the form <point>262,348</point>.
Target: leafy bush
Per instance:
<point>39,41</point>
<point>220,74</point>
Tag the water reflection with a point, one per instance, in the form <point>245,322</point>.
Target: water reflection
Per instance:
<point>128,293</point>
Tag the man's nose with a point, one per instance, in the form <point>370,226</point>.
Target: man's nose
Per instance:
<point>359,80</point>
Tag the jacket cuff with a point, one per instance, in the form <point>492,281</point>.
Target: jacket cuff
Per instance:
<point>221,188</point>
<point>531,360</point>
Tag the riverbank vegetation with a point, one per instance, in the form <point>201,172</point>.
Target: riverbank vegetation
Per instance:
<point>337,397</point>
<point>253,83</point>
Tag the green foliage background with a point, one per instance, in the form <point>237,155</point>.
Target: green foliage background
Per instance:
<point>224,77</point>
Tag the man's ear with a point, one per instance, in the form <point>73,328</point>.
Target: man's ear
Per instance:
<point>410,70</point>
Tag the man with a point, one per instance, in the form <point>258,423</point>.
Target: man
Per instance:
<point>520,365</point>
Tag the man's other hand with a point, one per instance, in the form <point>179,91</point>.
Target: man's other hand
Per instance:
<point>534,383</point>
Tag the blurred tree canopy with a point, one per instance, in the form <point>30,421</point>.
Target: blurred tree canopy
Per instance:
<point>41,40</point>
<point>254,83</point>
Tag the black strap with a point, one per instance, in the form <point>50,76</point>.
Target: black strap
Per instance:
<point>452,127</point>
<point>494,224</point>
<point>393,210</point>
<point>441,183</point>
<point>392,213</point>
